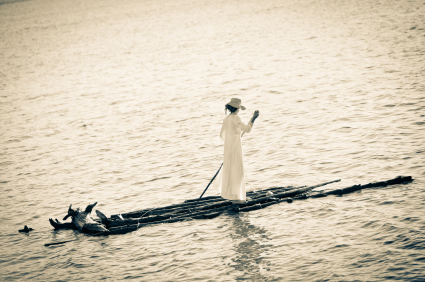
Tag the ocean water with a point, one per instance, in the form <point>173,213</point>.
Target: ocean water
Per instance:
<point>121,103</point>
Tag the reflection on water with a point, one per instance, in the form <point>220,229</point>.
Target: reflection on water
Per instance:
<point>251,245</point>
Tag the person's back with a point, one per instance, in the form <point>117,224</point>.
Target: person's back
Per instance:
<point>233,127</point>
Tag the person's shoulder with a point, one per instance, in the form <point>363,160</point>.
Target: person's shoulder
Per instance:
<point>234,119</point>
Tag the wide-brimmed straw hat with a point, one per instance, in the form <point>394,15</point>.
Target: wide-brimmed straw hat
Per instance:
<point>236,103</point>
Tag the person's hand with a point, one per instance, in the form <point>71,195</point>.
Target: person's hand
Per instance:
<point>255,115</point>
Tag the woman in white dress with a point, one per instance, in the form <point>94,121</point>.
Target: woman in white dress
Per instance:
<point>231,183</point>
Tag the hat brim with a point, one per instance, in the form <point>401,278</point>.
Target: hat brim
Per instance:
<point>240,107</point>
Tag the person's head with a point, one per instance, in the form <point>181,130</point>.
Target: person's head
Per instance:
<point>232,109</point>
<point>234,106</point>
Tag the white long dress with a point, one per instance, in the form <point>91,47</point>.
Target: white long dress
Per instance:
<point>230,181</point>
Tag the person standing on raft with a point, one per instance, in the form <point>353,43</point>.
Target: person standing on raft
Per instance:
<point>230,182</point>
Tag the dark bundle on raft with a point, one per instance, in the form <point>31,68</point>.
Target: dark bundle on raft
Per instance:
<point>213,206</point>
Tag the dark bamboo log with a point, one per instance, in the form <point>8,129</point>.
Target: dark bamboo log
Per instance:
<point>287,194</point>
<point>339,192</point>
<point>184,211</point>
<point>397,180</point>
<point>206,213</point>
<point>121,229</point>
<point>257,206</point>
<point>168,209</point>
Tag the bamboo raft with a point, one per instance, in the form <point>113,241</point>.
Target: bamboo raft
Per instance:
<point>213,206</point>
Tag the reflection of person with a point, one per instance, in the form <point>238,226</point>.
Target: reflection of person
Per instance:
<point>251,244</point>
<point>231,181</point>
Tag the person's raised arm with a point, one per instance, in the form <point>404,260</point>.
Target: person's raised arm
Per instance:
<point>247,128</point>
<point>255,116</point>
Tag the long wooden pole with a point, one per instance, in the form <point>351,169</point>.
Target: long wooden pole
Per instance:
<point>211,181</point>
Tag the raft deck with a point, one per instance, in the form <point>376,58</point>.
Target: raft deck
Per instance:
<point>213,206</point>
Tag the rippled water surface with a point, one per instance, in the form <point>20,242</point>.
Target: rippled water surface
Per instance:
<point>121,102</point>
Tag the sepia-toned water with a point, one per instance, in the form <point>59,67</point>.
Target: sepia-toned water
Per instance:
<point>121,103</point>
